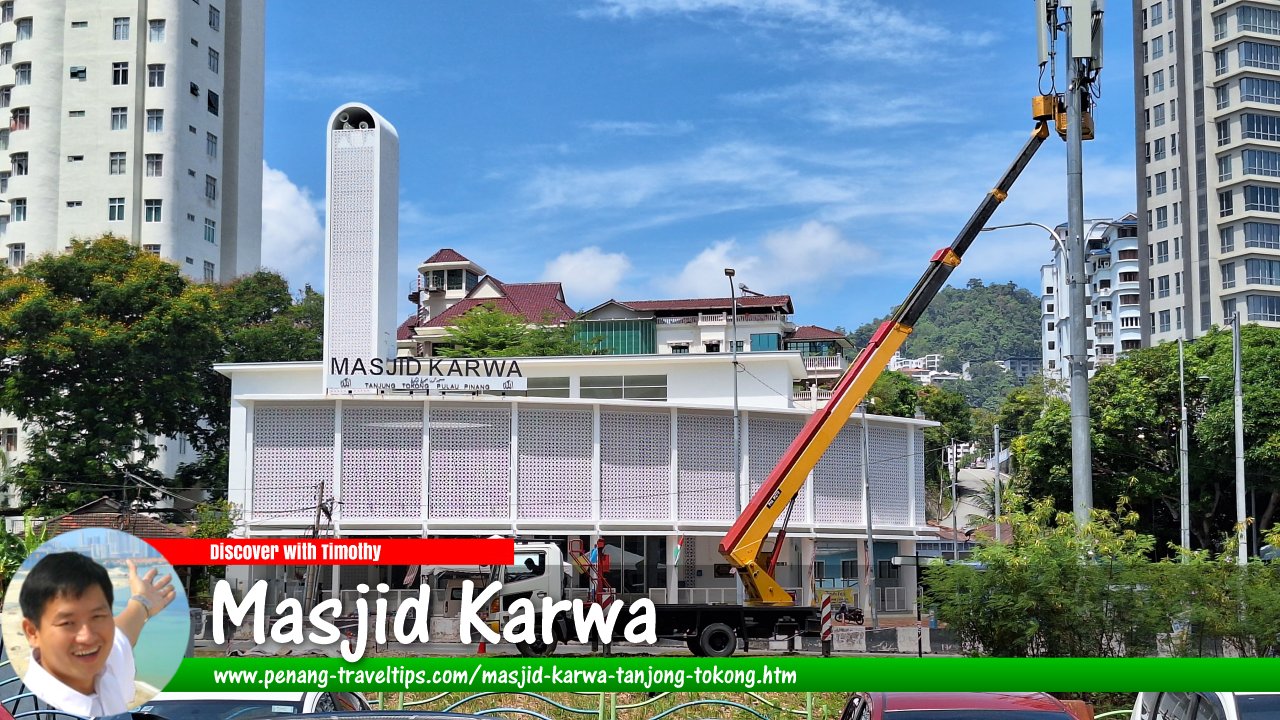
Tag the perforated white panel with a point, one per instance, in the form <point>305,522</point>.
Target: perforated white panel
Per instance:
<point>706,482</point>
<point>888,470</point>
<point>470,463</point>
<point>353,223</point>
<point>292,455</point>
<point>554,465</point>
<point>635,466</point>
<point>769,439</point>
<point>918,488</point>
<point>381,461</point>
<point>837,480</point>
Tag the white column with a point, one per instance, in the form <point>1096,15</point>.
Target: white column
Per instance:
<point>808,548</point>
<point>673,569</point>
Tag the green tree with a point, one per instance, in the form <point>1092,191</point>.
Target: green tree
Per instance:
<point>261,320</point>
<point>487,331</point>
<point>893,393</point>
<point>103,350</point>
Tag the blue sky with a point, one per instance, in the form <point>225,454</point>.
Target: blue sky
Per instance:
<point>634,148</point>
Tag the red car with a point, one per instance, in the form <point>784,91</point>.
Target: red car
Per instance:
<point>959,706</point>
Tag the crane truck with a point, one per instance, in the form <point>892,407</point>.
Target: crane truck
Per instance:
<point>769,610</point>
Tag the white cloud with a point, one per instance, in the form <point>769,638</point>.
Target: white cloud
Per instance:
<point>847,29</point>
<point>843,106</point>
<point>292,232</point>
<point>633,128</point>
<point>589,275</point>
<point>309,85</point>
<point>812,254</point>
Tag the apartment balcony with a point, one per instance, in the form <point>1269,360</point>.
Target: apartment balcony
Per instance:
<point>825,362</point>
<point>1105,359</point>
<point>725,318</point>
<point>810,398</point>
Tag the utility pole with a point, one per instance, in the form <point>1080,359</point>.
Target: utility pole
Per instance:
<point>313,571</point>
<point>1080,42</point>
<point>995,507</point>
<point>1241,538</point>
<point>866,507</point>
<point>737,440</point>
<point>955,506</point>
<point>1184,494</point>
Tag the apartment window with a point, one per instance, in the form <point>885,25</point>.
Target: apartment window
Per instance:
<point>211,145</point>
<point>1227,237</point>
<point>1177,283</point>
<point>152,249</point>
<point>215,18</point>
<point>24,29</point>
<point>1146,85</point>
<point>6,53</point>
<point>155,165</point>
<point>1158,112</point>
<point>1260,55</point>
<point>1173,143</point>
<point>156,34</point>
<point>1262,307</point>
<point>1261,90</point>
<point>1128,277</point>
<point>9,439</point>
<point>1162,183</point>
<point>1157,47</point>
<point>1146,119</point>
<point>1162,251</point>
<point>79,24</point>
<point>18,209</point>
<point>1164,321</point>
<point>1177,248</point>
<point>1219,26</point>
<point>213,102</point>
<point>6,96</point>
<point>1159,149</point>
<point>155,75</point>
<point>155,121</point>
<point>1130,299</point>
<point>17,258</point>
<point>78,72</point>
<point>19,163</point>
<point>1220,62</point>
<point>214,60</point>
<point>1049,326</point>
<point>1262,162</point>
<point>120,73</point>
<point>1264,199</point>
<point>22,74</point>
<point>1147,183</point>
<point>631,387</point>
<point>1223,128</point>
<point>1176,217</point>
<point>115,209</point>
<point>1173,110</point>
<point>75,203</point>
<point>6,11</point>
<point>1262,272</point>
<point>154,210</point>
<point>115,165</point>
<point>20,119</point>
<point>1156,14</point>
<point>211,236</point>
<point>119,118</point>
<point>1222,96</point>
<point>4,182</point>
<point>1052,344</point>
<point>1162,217</point>
<point>1228,275</point>
<point>1260,127</point>
<point>211,187</point>
<point>1157,81</point>
<point>1256,19</point>
<point>1174,176</point>
<point>1262,235</point>
<point>1151,294</point>
<point>195,90</point>
<point>1178,318</point>
<point>1229,308</point>
<point>120,29</point>
<point>195,42</point>
<point>1130,322</point>
<point>1225,206</point>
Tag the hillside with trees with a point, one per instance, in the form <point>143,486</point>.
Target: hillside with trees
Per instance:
<point>974,323</point>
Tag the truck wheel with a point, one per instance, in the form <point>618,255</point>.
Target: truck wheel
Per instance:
<point>537,648</point>
<point>717,640</point>
<point>695,646</point>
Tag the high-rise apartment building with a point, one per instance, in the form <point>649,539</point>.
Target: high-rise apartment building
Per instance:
<point>1113,297</point>
<point>1207,77</point>
<point>143,119</point>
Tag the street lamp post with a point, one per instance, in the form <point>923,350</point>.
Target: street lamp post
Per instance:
<point>1241,538</point>
<point>1184,490</point>
<point>737,440</point>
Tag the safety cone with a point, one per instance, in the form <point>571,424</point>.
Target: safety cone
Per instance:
<point>480,648</point>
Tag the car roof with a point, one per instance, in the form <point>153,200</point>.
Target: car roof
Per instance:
<point>264,696</point>
<point>891,702</point>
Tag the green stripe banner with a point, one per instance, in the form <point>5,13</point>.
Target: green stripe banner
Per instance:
<point>761,674</point>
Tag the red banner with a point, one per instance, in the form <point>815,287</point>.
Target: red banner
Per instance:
<point>363,551</point>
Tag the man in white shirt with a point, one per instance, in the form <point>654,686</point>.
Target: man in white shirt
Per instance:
<point>82,657</point>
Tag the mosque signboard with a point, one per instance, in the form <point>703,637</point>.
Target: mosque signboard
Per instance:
<point>436,374</point>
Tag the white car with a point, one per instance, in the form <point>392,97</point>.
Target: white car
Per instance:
<point>1207,706</point>
<point>249,706</point>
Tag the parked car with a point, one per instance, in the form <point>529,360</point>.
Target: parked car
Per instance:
<point>249,706</point>
<point>1207,706</point>
<point>957,706</point>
